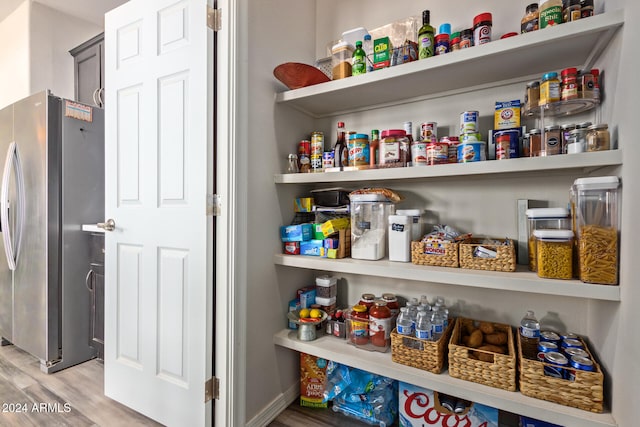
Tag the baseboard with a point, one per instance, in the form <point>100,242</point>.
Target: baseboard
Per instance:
<point>277,405</point>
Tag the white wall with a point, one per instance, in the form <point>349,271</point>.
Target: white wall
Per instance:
<point>34,53</point>
<point>14,56</point>
<point>293,35</point>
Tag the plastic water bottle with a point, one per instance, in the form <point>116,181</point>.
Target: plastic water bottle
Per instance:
<point>404,326</point>
<point>443,310</point>
<point>413,309</point>
<point>437,323</point>
<point>530,335</point>
<point>423,328</point>
<point>367,45</point>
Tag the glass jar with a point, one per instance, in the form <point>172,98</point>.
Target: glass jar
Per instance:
<point>571,12</point>
<point>564,130</point>
<point>549,89</point>
<point>554,253</point>
<point>466,38</point>
<point>532,95</point>
<point>550,13</point>
<point>586,8</point>
<point>380,324</point>
<point>598,138</point>
<point>552,141</point>
<point>392,303</point>
<point>577,142</point>
<point>530,20</point>
<point>569,84</point>
<point>586,84</point>
<point>596,224</point>
<point>544,219</point>
<point>367,300</point>
<point>358,325</point>
<point>535,143</point>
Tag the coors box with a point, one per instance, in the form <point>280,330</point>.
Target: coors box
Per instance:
<point>420,407</point>
<point>313,379</point>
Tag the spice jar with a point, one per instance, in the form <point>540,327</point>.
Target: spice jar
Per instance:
<point>586,8</point>
<point>535,143</point>
<point>598,138</point>
<point>586,85</point>
<point>380,324</point>
<point>454,44</point>
<point>571,12</point>
<point>552,140</point>
<point>569,84</point>
<point>555,253</point>
<point>577,141</point>
<point>564,133</point>
<point>358,325</point>
<point>530,20</point>
<point>394,149</point>
<point>596,84</point>
<point>466,38</point>
<point>532,95</point>
<point>549,89</point>
<point>482,29</point>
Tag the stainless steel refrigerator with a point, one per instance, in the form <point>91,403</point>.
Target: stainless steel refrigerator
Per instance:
<point>52,164</point>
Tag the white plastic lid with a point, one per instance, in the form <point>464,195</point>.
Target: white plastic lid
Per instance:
<point>547,213</point>
<point>408,212</point>
<point>553,234</point>
<point>353,35</point>
<point>338,47</point>
<point>373,197</point>
<point>326,281</point>
<point>597,183</point>
<point>325,301</point>
<point>400,219</point>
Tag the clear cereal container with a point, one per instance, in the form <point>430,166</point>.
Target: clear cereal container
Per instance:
<point>596,210</point>
<point>554,249</point>
<point>544,219</point>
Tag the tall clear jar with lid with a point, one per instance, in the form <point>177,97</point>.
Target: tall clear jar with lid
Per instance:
<point>369,223</point>
<point>544,219</point>
<point>554,250</point>
<point>341,54</point>
<point>596,210</point>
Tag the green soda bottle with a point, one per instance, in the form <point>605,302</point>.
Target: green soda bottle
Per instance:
<point>359,63</point>
<point>425,37</point>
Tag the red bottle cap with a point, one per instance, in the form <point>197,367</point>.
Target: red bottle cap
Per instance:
<point>441,37</point>
<point>393,132</point>
<point>483,17</point>
<point>504,36</point>
<point>568,71</point>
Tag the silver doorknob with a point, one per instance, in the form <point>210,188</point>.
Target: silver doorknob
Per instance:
<point>110,225</point>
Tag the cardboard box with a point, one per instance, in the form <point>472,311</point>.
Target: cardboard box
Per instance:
<point>334,225</point>
<point>313,378</point>
<point>294,305</point>
<point>307,296</point>
<point>420,407</point>
<point>507,115</point>
<point>344,245</point>
<point>317,232</point>
<point>530,422</point>
<point>303,204</point>
<point>296,233</point>
<point>382,51</point>
<point>311,248</point>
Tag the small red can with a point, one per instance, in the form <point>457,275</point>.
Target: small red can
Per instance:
<point>453,142</point>
<point>292,248</point>
<point>304,147</point>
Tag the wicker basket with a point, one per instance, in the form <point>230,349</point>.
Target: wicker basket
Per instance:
<point>430,358</point>
<point>501,373</point>
<point>505,259</point>
<point>448,259</point>
<point>585,392</point>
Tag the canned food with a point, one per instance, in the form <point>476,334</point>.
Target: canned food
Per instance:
<point>437,153</point>
<point>429,131</point>
<point>317,143</point>
<point>545,347</point>
<point>569,335</point>
<point>469,121</point>
<point>419,153</point>
<point>471,152</point>
<point>453,142</point>
<point>316,163</point>
<point>470,137</point>
<point>575,351</point>
<point>327,159</point>
<point>581,364</point>
<point>571,343</point>
<point>507,144</point>
<point>550,336</point>
<point>558,361</point>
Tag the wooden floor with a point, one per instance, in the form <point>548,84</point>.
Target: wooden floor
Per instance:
<point>297,416</point>
<point>71,397</point>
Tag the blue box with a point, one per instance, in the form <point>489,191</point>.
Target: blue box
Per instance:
<point>331,243</point>
<point>294,305</point>
<point>307,297</point>
<point>296,233</point>
<point>311,247</point>
<point>530,422</point>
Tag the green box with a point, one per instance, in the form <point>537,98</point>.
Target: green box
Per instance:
<point>317,232</point>
<point>382,51</point>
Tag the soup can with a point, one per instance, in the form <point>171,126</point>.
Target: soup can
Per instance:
<point>453,142</point>
<point>469,121</point>
<point>327,159</point>
<point>429,131</point>
<point>471,152</point>
<point>317,144</point>
<point>558,361</point>
<point>419,153</point>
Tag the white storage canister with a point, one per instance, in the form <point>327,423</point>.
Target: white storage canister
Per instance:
<point>400,238</point>
<point>416,222</point>
<point>326,287</point>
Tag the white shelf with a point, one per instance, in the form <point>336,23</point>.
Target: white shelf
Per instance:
<point>585,161</point>
<point>572,44</point>
<point>518,281</point>
<point>332,348</point>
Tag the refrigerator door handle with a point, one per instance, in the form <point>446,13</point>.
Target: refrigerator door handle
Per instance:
<point>12,161</point>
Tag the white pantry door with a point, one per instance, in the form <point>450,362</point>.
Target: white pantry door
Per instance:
<point>158,258</point>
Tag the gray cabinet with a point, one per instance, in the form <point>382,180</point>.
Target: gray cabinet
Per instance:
<point>89,71</point>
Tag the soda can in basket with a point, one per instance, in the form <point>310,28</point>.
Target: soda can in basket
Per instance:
<point>581,364</point>
<point>559,362</point>
<point>545,347</point>
<point>571,343</point>
<point>550,336</point>
<point>569,335</point>
<point>575,351</point>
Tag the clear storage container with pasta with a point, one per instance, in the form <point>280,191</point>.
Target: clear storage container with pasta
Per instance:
<point>544,219</point>
<point>596,221</point>
<point>554,249</point>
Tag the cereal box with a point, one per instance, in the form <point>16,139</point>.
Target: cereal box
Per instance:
<point>420,407</point>
<point>313,378</point>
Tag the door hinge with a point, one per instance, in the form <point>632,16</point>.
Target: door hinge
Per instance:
<point>214,18</point>
<point>211,389</point>
<point>214,205</point>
